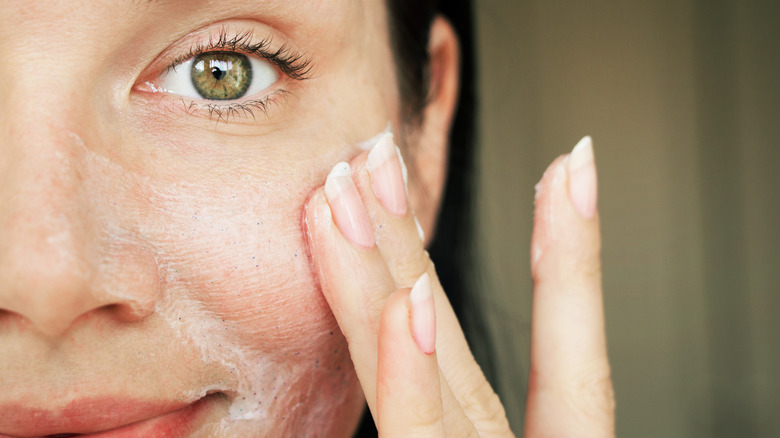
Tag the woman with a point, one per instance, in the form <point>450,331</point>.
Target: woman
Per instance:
<point>196,242</point>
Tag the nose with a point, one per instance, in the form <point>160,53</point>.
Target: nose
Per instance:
<point>58,263</point>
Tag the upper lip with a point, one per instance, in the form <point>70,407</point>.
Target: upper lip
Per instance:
<point>82,416</point>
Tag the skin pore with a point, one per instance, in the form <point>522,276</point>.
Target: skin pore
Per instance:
<point>151,244</point>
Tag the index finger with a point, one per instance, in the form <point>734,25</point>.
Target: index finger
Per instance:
<point>570,390</point>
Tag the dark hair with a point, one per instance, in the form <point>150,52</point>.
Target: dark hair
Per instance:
<point>410,23</point>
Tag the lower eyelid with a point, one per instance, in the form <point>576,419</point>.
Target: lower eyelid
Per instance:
<point>245,110</point>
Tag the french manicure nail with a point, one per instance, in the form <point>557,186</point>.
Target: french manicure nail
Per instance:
<point>423,315</point>
<point>349,213</point>
<point>420,231</point>
<point>386,171</point>
<point>404,172</point>
<point>583,188</point>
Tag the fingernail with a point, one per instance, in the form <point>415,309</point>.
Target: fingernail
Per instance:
<point>583,188</point>
<point>404,172</point>
<point>420,231</point>
<point>423,315</point>
<point>384,165</point>
<point>348,210</point>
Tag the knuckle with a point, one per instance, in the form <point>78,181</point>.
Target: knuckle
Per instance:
<point>484,407</point>
<point>408,269</point>
<point>425,416</point>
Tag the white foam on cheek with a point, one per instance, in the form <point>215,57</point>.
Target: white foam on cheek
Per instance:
<point>255,379</point>
<point>189,220</point>
<point>261,381</point>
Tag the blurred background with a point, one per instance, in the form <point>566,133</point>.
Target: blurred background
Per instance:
<point>682,100</point>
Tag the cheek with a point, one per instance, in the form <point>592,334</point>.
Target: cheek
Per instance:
<point>236,253</point>
<point>239,251</point>
<point>237,286</point>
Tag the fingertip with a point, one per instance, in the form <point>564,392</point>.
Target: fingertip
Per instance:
<point>316,212</point>
<point>565,214</point>
<point>546,202</point>
<point>347,207</point>
<point>583,187</point>
<point>423,315</point>
<point>409,395</point>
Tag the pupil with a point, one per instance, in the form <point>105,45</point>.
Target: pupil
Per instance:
<point>217,73</point>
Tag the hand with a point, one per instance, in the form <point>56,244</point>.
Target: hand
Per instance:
<point>416,370</point>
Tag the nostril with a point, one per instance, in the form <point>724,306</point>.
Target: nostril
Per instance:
<point>131,310</point>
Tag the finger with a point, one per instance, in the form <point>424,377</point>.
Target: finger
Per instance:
<point>351,271</point>
<point>354,277</point>
<point>570,391</point>
<point>380,180</point>
<point>408,390</point>
<point>380,177</point>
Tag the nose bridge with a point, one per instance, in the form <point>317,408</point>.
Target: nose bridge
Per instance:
<point>45,260</point>
<point>59,197</point>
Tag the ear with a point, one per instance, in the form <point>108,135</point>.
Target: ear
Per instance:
<point>429,156</point>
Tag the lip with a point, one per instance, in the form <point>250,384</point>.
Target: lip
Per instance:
<point>107,418</point>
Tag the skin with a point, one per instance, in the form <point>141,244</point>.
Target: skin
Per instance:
<point>151,250</point>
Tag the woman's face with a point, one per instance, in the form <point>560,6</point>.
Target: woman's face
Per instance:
<point>152,259</point>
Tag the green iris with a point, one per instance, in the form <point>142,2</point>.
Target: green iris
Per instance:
<point>221,75</point>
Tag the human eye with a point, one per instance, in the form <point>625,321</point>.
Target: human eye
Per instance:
<point>220,75</point>
<point>230,75</point>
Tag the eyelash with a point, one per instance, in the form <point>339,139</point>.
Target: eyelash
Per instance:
<point>293,65</point>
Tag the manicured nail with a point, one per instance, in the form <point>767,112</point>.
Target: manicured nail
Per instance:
<point>423,315</point>
<point>583,188</point>
<point>420,231</point>
<point>404,172</point>
<point>386,171</point>
<point>349,213</point>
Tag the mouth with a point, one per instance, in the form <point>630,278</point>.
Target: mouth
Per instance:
<point>109,419</point>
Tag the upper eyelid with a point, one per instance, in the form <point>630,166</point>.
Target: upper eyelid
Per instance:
<point>295,65</point>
